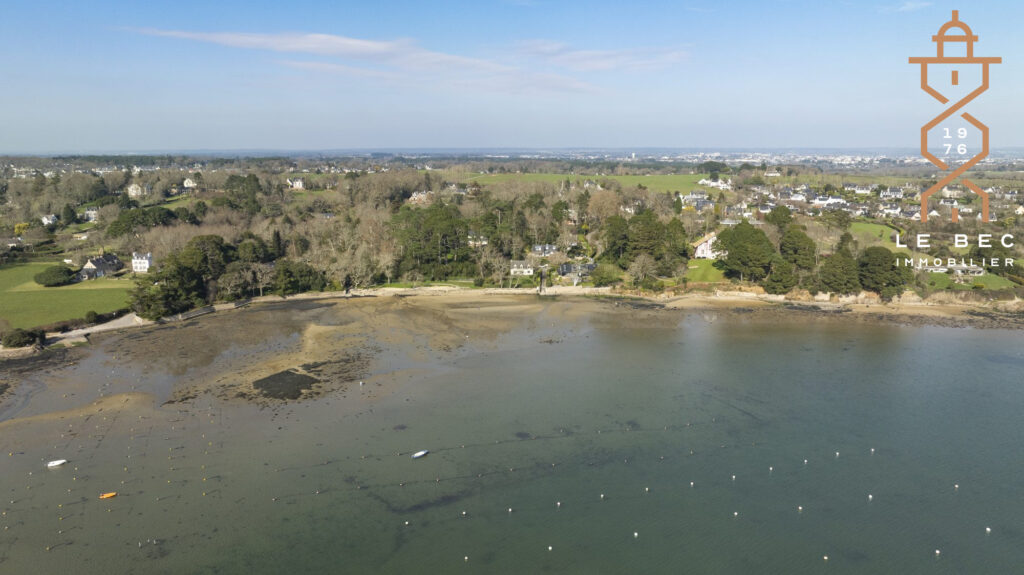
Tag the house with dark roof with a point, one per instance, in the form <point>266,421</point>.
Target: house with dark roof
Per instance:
<point>99,266</point>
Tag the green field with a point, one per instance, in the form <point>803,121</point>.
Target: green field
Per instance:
<point>656,183</point>
<point>25,304</point>
<point>870,234</point>
<point>183,200</point>
<point>703,271</point>
<point>942,281</point>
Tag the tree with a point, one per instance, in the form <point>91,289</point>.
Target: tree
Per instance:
<point>252,250</point>
<point>798,248</point>
<point>605,275</point>
<point>277,245</point>
<point>675,239</point>
<point>23,338</point>
<point>837,219</point>
<point>749,252</point>
<point>68,215</point>
<point>846,243</point>
<point>780,216</point>
<point>839,274</point>
<point>296,277</point>
<point>616,239</point>
<point>641,268</point>
<point>646,235</point>
<point>55,276</point>
<point>878,272</point>
<point>559,211</point>
<point>782,277</point>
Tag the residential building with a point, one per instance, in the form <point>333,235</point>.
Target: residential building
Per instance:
<point>296,183</point>
<point>704,248</point>
<point>475,240</point>
<point>576,268</point>
<point>99,266</point>
<point>421,198</point>
<point>141,262</point>
<point>544,250</point>
<point>891,194</point>
<point>49,219</point>
<point>521,268</point>
<point>134,191</point>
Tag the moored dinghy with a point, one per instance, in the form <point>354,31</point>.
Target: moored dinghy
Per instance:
<point>420,454</point>
<point>56,463</point>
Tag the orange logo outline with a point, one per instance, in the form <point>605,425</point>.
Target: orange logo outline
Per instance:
<point>940,39</point>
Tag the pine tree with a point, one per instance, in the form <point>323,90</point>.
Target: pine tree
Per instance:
<point>782,278</point>
<point>798,248</point>
<point>839,274</point>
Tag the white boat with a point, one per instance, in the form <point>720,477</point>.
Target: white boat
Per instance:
<point>56,463</point>
<point>420,454</point>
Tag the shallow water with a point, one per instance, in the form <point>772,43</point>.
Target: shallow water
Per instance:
<point>544,420</point>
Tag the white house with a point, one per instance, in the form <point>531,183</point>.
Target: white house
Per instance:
<point>141,262</point>
<point>134,191</point>
<point>891,194</point>
<point>704,248</point>
<point>296,184</point>
<point>92,214</point>
<point>719,184</point>
<point>475,240</point>
<point>421,198</point>
<point>892,210</point>
<point>544,250</point>
<point>694,196</point>
<point>49,219</point>
<point>521,268</point>
<point>190,183</point>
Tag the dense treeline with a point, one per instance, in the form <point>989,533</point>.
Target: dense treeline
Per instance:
<point>209,267</point>
<point>240,233</point>
<point>751,256</point>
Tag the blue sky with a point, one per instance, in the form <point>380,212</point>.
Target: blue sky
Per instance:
<point>149,76</point>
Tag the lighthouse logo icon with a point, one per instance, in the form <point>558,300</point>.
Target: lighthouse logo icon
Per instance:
<point>958,156</point>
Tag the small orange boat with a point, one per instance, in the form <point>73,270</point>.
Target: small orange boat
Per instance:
<point>108,495</point>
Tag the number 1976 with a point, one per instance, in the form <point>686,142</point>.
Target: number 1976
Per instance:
<point>961,133</point>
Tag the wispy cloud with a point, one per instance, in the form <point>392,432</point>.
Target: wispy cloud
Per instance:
<point>394,60</point>
<point>909,6</point>
<point>398,52</point>
<point>561,55</point>
<point>534,65</point>
<point>340,69</point>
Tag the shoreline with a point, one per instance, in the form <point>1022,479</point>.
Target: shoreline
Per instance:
<point>426,323</point>
<point>919,312</point>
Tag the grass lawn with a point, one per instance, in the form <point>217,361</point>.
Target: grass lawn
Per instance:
<point>25,304</point>
<point>945,281</point>
<point>991,281</point>
<point>703,271</point>
<point>183,200</point>
<point>657,183</point>
<point>870,234</point>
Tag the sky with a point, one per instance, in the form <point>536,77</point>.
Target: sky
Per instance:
<point>106,76</point>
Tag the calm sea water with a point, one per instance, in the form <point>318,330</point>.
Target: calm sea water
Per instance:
<point>708,445</point>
